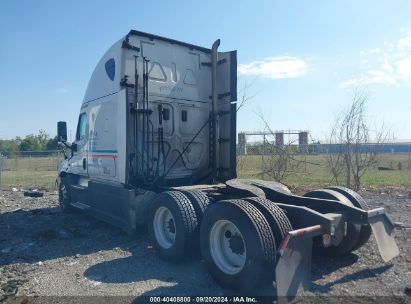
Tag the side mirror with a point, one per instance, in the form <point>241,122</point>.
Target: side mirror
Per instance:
<point>73,147</point>
<point>62,131</point>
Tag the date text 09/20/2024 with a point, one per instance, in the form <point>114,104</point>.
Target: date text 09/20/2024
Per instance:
<point>221,299</point>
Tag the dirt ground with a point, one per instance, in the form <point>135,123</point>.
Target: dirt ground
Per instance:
<point>44,252</point>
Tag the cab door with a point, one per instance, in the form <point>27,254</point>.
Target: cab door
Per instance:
<point>78,161</point>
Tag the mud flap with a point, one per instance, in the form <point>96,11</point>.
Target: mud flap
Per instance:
<point>293,270</point>
<point>382,227</point>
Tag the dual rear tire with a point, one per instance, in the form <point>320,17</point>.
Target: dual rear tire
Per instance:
<point>358,202</point>
<point>355,235</point>
<point>172,225</point>
<point>238,238</point>
<point>237,245</point>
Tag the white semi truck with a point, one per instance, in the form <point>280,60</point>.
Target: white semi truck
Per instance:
<point>156,146</point>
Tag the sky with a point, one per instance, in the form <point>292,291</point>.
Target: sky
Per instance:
<point>301,61</point>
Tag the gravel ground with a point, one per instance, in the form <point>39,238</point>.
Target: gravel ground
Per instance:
<point>44,252</point>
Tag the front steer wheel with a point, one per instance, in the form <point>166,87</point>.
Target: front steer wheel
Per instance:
<point>237,245</point>
<point>64,197</point>
<point>172,223</point>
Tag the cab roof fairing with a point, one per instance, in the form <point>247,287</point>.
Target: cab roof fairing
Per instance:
<point>100,84</point>
<point>172,41</point>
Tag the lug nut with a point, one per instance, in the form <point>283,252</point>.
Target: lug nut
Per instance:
<point>227,234</point>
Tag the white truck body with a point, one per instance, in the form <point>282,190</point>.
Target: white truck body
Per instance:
<point>156,145</point>
<point>179,77</point>
<point>119,158</point>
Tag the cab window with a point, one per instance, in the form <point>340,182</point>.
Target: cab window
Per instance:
<point>82,127</point>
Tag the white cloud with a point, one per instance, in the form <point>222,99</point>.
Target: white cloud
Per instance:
<point>352,82</point>
<point>390,65</point>
<point>275,67</point>
<point>374,51</point>
<point>404,67</point>
<point>405,42</point>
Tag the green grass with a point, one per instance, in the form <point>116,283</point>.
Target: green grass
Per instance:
<point>37,163</point>
<point>315,172</point>
<point>30,172</point>
<point>41,172</point>
<point>28,179</point>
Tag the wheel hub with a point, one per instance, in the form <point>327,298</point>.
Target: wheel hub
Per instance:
<point>164,227</point>
<point>63,196</point>
<point>227,247</point>
<point>171,227</point>
<point>63,192</point>
<point>236,244</point>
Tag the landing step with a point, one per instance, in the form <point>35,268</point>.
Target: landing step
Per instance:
<point>81,206</point>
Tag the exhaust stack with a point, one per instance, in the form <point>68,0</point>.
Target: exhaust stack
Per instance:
<point>215,135</point>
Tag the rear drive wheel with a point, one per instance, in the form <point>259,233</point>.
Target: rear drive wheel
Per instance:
<point>199,200</point>
<point>237,245</point>
<point>358,202</point>
<point>278,221</point>
<point>349,240</point>
<point>224,236</point>
<point>171,225</point>
<point>64,196</point>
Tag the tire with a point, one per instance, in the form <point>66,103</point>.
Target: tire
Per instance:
<point>171,225</point>
<point>349,241</point>
<point>358,202</point>
<point>237,245</point>
<point>199,200</point>
<point>275,186</point>
<point>64,197</point>
<point>277,219</point>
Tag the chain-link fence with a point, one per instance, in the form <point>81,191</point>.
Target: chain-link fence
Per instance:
<point>29,169</point>
<point>264,159</point>
<point>38,169</point>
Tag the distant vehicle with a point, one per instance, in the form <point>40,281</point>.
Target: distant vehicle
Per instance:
<point>156,145</point>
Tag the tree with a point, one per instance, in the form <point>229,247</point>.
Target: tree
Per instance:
<point>43,139</point>
<point>30,143</point>
<point>9,146</point>
<point>52,143</point>
<point>358,148</point>
<point>280,160</point>
<point>245,98</point>
<point>39,142</point>
<point>242,102</point>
